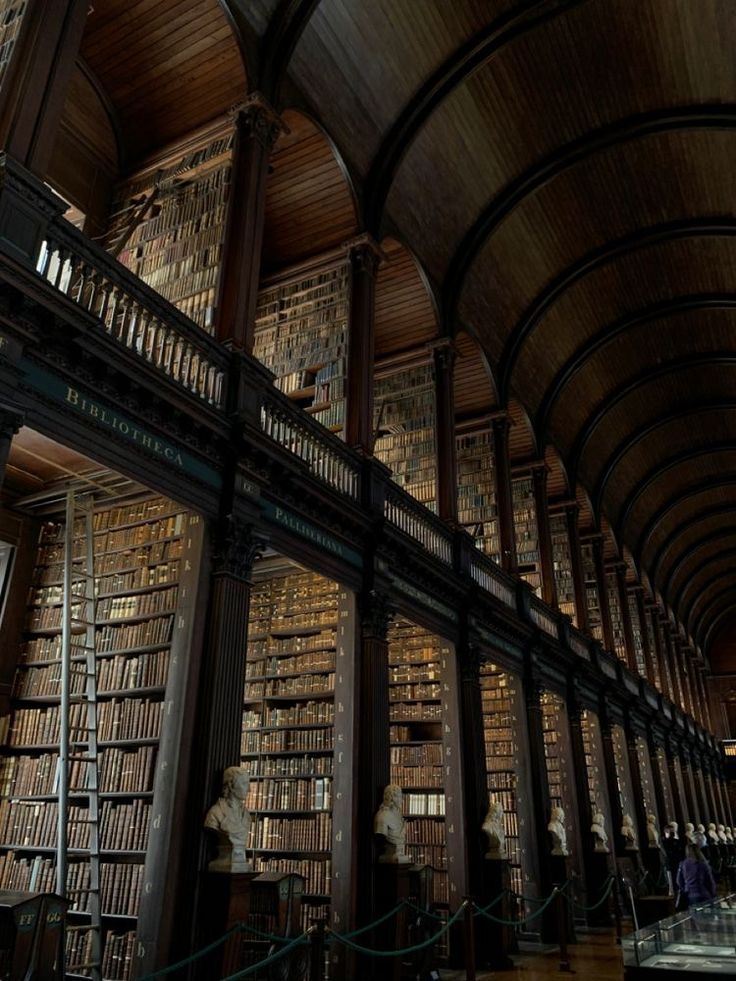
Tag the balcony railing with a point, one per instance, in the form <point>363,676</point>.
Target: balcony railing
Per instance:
<point>542,617</point>
<point>487,574</point>
<point>132,313</point>
<point>415,520</point>
<point>326,456</point>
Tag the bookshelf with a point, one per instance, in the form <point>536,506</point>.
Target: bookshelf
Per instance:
<point>559,767</point>
<point>178,229</point>
<point>140,549</point>
<point>11,18</point>
<point>503,712</point>
<point>623,772</point>
<point>592,599</point>
<point>646,776</point>
<point>525,529</point>
<point>562,565</point>
<point>659,760</point>
<point>594,764</point>
<point>301,335</point>
<point>653,648</point>
<point>288,734</point>
<point>405,423</point>
<point>636,633</point>
<point>477,509</point>
<point>416,746</point>
<point>617,617</point>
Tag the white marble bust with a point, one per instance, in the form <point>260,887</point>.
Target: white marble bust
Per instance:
<point>558,834</point>
<point>722,834</point>
<point>493,826</point>
<point>598,830</point>
<point>713,835</point>
<point>652,831</point>
<point>674,825</point>
<point>389,827</point>
<point>699,835</point>
<point>729,836</point>
<point>629,834</point>
<point>230,822</point>
<point>690,833</point>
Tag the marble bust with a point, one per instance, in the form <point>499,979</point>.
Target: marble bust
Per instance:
<point>629,834</point>
<point>493,826</point>
<point>652,831</point>
<point>699,835</point>
<point>674,826</point>
<point>722,834</point>
<point>690,833</point>
<point>558,834</point>
<point>389,827</point>
<point>230,822</point>
<point>598,831</point>
<point>713,835</point>
<point>729,836</point>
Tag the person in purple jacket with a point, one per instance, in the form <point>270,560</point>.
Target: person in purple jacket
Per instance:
<point>695,879</point>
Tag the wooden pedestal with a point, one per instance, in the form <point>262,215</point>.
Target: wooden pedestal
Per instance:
<point>395,883</point>
<point>598,870</point>
<point>560,871</point>
<point>653,859</point>
<point>226,901</point>
<point>494,941</point>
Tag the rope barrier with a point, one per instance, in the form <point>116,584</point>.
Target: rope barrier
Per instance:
<point>423,912</point>
<point>344,939</point>
<point>193,957</point>
<point>532,916</point>
<point>300,941</point>
<point>480,910</point>
<point>379,921</point>
<point>589,909</point>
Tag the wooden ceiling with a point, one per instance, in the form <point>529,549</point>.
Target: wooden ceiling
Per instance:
<point>563,172</point>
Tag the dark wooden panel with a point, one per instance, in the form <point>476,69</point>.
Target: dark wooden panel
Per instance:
<point>405,313</point>
<point>474,389</point>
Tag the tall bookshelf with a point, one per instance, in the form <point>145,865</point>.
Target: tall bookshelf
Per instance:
<point>595,764</point>
<point>526,532</point>
<point>503,714</point>
<point>653,648</point>
<point>562,565</point>
<point>659,760</point>
<point>301,335</point>
<point>592,599</point>
<point>617,617</point>
<point>140,549</point>
<point>172,227</point>
<point>623,772</point>
<point>476,491</point>
<point>647,777</point>
<point>558,762</point>
<point>416,740</point>
<point>636,633</point>
<point>288,734</point>
<point>11,18</point>
<point>405,424</point>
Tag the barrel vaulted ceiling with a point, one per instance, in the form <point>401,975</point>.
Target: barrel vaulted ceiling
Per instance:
<point>563,171</point>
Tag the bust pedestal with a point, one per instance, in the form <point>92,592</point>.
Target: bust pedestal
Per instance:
<point>494,941</point>
<point>654,864</point>
<point>599,867</point>
<point>560,870</point>
<point>395,882</point>
<point>225,902</point>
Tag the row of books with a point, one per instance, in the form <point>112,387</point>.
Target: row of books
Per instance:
<point>290,795</point>
<point>114,674</point>
<point>425,831</point>
<point>616,615</point>
<point>152,507</point>
<point>129,718</point>
<point>139,604</point>
<point>422,854</point>
<point>298,685</point>
<point>284,740</point>
<point>309,713</point>
<point>147,633</point>
<point>424,754</point>
<point>49,568</point>
<point>40,726</point>
<point>408,672</point>
<point>415,711</point>
<point>117,953</point>
<point>322,660</point>
<point>415,803</point>
<point>317,872</point>
<point>414,692</point>
<point>418,776</point>
<point>312,834</point>
<point>120,771</point>
<point>309,765</point>
<point>28,824</point>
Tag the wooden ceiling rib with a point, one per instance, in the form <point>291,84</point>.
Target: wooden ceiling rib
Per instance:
<point>405,316</point>
<point>475,393</point>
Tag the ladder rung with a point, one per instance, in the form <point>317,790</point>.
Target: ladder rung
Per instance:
<point>82,759</point>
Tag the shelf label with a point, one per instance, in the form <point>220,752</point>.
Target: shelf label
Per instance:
<point>107,417</point>
<point>305,529</point>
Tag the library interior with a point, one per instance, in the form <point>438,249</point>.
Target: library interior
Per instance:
<point>367,546</point>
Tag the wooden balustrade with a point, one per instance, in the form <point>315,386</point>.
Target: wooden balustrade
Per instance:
<point>542,617</point>
<point>490,577</point>
<point>411,517</point>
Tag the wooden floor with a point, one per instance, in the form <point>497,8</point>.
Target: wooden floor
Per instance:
<point>596,956</point>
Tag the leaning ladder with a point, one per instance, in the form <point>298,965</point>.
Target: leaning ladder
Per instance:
<point>78,762</point>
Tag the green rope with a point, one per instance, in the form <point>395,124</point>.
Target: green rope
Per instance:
<point>589,909</point>
<point>193,957</point>
<point>480,910</point>
<point>397,953</point>
<point>532,916</point>
<point>275,938</point>
<point>297,942</point>
<point>423,912</point>
<point>378,922</point>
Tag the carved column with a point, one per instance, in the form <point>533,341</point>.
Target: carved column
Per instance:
<point>623,598</point>
<point>609,759</point>
<point>257,127</point>
<point>637,785</point>
<point>504,495</point>
<point>541,506</point>
<point>693,805</point>
<point>602,580</point>
<point>649,654</point>
<point>657,779</point>
<point>37,78</point>
<point>582,786</point>
<point>444,366</point>
<point>475,796</point>
<point>671,750</point>
<point>372,761</point>
<point>10,422</point>
<point>365,257</point>
<point>576,562</point>
<point>539,783</point>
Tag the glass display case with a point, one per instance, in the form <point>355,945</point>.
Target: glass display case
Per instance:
<point>697,943</point>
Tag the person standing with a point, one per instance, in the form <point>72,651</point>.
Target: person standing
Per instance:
<point>695,879</point>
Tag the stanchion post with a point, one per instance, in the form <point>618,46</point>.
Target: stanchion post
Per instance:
<point>469,939</point>
<point>317,950</point>
<point>562,930</point>
<point>617,909</point>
